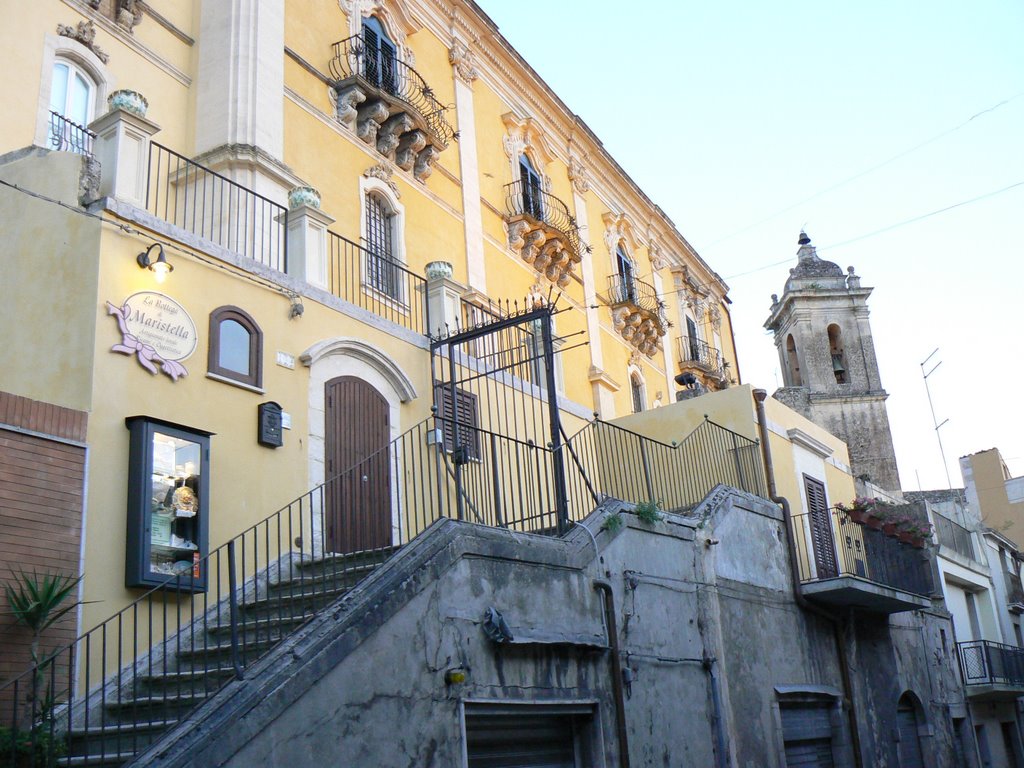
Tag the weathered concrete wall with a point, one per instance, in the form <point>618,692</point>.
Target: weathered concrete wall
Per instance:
<point>707,625</point>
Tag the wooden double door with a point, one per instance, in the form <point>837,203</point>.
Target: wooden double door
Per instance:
<point>357,492</point>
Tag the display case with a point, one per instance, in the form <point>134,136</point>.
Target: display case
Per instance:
<point>168,505</point>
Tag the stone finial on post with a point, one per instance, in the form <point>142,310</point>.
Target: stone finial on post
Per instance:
<point>122,142</point>
<point>307,237</point>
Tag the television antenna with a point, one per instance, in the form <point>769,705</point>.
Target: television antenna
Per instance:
<point>935,421</point>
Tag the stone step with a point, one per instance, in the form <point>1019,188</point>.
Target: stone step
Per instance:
<point>116,738</point>
<point>168,705</point>
<point>340,563</point>
<point>185,681</point>
<point>109,760</point>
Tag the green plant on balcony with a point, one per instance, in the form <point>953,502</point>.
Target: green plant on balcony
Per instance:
<point>613,523</point>
<point>869,511</point>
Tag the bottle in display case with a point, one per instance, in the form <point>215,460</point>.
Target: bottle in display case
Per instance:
<point>168,505</point>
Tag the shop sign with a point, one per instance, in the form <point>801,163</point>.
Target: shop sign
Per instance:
<point>156,330</point>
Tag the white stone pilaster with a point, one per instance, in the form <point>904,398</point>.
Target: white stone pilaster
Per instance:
<point>307,244</point>
<point>240,79</point>
<point>470,174</point>
<point>589,286</point>
<point>666,347</point>
<point>122,148</point>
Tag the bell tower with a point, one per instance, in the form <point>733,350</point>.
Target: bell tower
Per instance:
<point>829,370</point>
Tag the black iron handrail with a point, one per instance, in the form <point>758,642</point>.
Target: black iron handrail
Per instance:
<point>983,662</point>
<point>694,350</point>
<point>525,199</point>
<point>402,82</point>
<point>608,460</point>
<point>377,283</point>
<point>68,136</point>
<point>201,201</point>
<point>831,545</point>
<point>626,289</point>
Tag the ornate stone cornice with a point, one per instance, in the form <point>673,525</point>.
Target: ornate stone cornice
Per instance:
<point>85,33</point>
<point>463,60</point>
<point>384,172</point>
<point>578,174</point>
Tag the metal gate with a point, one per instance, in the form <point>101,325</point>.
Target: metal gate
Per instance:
<point>496,409</point>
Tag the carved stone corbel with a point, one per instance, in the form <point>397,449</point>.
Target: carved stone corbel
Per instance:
<point>534,240</point>
<point>408,148</point>
<point>391,130</point>
<point>516,231</point>
<point>347,103</point>
<point>370,117</point>
<point>425,160</point>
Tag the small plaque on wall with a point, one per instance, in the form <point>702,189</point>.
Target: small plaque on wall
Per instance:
<point>270,431</point>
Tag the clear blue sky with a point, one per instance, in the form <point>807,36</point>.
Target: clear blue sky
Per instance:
<point>726,113</point>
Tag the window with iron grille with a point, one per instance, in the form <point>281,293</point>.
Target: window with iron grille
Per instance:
<point>460,425</point>
<point>382,271</point>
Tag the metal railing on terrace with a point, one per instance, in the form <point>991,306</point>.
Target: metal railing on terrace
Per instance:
<point>394,78</point>
<point>376,283</point>
<point>983,662</point>
<point>524,199</point>
<point>693,350</point>
<point>205,203</point>
<point>626,289</point>
<point>105,692</point>
<point>830,545</point>
<point>954,536</point>
<point>67,136</point>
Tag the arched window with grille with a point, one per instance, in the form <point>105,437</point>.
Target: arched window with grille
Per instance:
<point>383,273</point>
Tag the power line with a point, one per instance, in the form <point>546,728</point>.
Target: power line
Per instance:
<point>884,229</point>
<point>873,168</point>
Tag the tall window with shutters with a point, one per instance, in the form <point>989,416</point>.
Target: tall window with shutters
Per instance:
<point>533,203</point>
<point>379,56</point>
<point>821,528</point>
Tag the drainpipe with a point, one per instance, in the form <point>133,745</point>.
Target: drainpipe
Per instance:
<point>613,643</point>
<point>716,702</point>
<point>794,568</point>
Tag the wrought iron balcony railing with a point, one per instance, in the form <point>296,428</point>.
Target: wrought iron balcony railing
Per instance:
<point>831,546</point>
<point>66,136</point>
<point>626,289</point>
<point>983,662</point>
<point>693,351</point>
<point>954,536</point>
<point>544,208</point>
<point>397,80</point>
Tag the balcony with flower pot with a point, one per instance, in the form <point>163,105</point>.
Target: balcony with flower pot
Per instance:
<point>868,556</point>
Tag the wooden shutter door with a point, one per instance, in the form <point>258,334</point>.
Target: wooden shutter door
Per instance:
<point>807,735</point>
<point>821,529</point>
<point>358,488</point>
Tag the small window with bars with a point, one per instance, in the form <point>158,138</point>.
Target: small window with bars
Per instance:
<point>383,273</point>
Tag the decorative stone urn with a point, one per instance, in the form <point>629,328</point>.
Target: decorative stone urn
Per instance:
<point>300,196</point>
<point>436,270</point>
<point>129,101</point>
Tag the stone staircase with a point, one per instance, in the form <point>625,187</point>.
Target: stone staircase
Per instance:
<point>130,714</point>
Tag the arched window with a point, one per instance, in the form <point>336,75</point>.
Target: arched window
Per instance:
<point>379,56</point>
<point>236,347</point>
<point>532,189</point>
<point>382,271</point>
<point>795,379</point>
<point>72,98</point>
<point>835,345</point>
<point>636,388</point>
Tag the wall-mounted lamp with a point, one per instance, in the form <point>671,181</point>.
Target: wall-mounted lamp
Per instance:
<point>296,308</point>
<point>160,267</point>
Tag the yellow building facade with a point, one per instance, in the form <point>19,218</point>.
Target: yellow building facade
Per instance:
<point>302,180</point>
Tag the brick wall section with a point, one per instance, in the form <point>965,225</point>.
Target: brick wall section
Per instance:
<point>41,500</point>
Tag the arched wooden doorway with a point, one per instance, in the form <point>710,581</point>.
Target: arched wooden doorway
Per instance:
<point>908,723</point>
<point>357,491</point>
